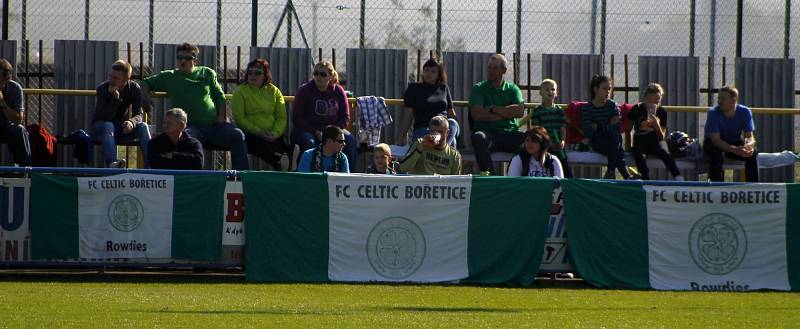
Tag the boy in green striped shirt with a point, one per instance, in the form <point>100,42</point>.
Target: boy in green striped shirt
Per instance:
<point>550,116</point>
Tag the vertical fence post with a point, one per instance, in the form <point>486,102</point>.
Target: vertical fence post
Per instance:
<point>787,24</point>
<point>710,79</point>
<point>86,21</point>
<point>625,69</point>
<point>712,49</point>
<point>603,27</point>
<point>26,53</point>
<point>150,32</point>
<point>23,22</point>
<point>363,22</point>
<point>225,69</point>
<point>519,28</point>
<point>499,35</point>
<point>439,26</point>
<point>289,11</point>
<point>692,19</point>
<point>530,83</point>
<point>41,78</point>
<point>419,65</point>
<point>23,38</point>
<point>739,26</point>
<point>593,27</point>
<point>254,23</point>
<point>5,19</point>
<point>219,30</point>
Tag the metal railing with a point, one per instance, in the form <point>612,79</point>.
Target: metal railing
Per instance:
<point>290,99</point>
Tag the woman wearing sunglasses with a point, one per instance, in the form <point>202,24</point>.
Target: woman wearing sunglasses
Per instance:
<point>318,103</point>
<point>260,111</point>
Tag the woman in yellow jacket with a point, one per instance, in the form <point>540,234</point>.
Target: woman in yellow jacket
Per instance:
<point>260,111</point>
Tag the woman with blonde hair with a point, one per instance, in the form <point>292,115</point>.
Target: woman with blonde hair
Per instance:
<point>318,103</point>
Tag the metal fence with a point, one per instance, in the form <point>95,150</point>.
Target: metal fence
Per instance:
<point>709,30</point>
<point>715,31</point>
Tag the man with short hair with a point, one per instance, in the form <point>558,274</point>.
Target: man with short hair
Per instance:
<point>431,154</point>
<point>175,148</point>
<point>327,156</point>
<point>13,111</point>
<point>118,114</point>
<point>495,107</point>
<point>729,133</point>
<point>196,90</point>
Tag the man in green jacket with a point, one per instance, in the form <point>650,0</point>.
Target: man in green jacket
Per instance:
<point>196,90</point>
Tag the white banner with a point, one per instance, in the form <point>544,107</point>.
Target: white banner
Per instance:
<point>724,238</point>
<point>556,255</point>
<point>14,230</point>
<point>233,220</point>
<point>409,229</point>
<point>125,216</point>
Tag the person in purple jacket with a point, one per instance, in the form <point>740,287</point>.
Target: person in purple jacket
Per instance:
<point>318,103</point>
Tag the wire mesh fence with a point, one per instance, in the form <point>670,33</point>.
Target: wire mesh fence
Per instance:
<point>535,27</point>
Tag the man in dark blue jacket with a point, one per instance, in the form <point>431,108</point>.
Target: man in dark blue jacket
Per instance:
<point>175,149</point>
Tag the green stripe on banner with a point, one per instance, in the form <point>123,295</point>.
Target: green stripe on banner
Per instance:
<point>196,217</point>
<point>793,235</point>
<point>607,232</point>
<point>506,243</point>
<point>54,232</point>
<point>288,241</point>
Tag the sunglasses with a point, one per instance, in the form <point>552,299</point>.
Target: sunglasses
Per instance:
<point>320,74</point>
<point>340,141</point>
<point>255,72</point>
<point>185,58</point>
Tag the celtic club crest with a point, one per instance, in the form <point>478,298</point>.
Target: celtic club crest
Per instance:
<point>125,213</point>
<point>717,243</point>
<point>396,248</point>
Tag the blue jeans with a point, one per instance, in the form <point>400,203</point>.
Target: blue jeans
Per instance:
<point>109,133</point>
<point>307,140</point>
<point>17,138</point>
<point>451,137</point>
<point>223,135</point>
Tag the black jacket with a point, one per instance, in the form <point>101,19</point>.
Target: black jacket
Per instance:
<point>111,109</point>
<point>187,154</point>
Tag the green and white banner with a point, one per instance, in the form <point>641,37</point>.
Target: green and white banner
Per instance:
<point>126,216</point>
<point>342,227</point>
<point>703,238</point>
<point>114,222</point>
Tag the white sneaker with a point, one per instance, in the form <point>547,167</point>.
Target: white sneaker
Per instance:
<point>679,178</point>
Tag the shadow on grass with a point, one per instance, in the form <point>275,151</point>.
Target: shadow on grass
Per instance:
<point>383,309</point>
<point>188,277</point>
<point>452,310</point>
<point>433,309</point>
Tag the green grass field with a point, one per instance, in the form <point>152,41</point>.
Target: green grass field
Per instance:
<point>201,301</point>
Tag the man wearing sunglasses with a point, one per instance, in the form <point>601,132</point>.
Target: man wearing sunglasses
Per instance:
<point>327,156</point>
<point>196,90</point>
